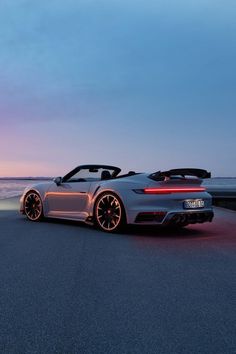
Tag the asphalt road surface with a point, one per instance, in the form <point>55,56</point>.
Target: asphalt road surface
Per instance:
<point>68,288</point>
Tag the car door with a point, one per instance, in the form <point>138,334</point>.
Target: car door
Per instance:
<point>68,200</point>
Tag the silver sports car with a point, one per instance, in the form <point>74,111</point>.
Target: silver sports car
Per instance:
<point>100,195</point>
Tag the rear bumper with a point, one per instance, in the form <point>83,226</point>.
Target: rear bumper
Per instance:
<point>175,218</point>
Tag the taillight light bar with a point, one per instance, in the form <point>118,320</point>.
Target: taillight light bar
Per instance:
<point>170,190</point>
<point>173,190</point>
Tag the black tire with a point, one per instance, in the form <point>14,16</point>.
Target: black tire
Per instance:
<point>109,213</point>
<point>33,206</point>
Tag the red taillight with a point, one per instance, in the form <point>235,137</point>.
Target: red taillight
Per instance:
<point>173,190</point>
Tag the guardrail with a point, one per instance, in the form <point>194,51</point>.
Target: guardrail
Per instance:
<point>224,198</point>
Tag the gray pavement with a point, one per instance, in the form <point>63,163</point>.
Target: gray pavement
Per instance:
<point>68,288</point>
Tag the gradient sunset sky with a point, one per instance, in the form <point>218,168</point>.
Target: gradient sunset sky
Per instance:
<point>142,84</point>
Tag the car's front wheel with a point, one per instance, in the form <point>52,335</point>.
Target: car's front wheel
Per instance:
<point>109,213</point>
<point>33,206</point>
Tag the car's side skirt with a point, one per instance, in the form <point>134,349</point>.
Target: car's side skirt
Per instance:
<point>81,216</point>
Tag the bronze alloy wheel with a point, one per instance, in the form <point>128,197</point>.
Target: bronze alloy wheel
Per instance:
<point>33,206</point>
<point>109,213</point>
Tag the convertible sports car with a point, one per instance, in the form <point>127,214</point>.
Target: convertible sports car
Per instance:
<point>98,194</point>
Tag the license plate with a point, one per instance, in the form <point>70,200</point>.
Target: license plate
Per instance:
<point>193,203</point>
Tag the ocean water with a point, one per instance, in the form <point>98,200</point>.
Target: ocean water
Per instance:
<point>12,188</point>
<point>220,183</point>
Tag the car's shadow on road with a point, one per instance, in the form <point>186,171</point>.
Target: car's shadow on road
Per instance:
<point>140,230</point>
<point>165,232</point>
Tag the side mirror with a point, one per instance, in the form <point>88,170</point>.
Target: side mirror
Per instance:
<point>57,180</point>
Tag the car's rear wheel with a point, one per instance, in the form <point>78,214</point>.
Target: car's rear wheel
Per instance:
<point>33,206</point>
<point>109,213</point>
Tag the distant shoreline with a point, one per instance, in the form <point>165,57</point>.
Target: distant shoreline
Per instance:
<point>26,178</point>
<point>30,178</point>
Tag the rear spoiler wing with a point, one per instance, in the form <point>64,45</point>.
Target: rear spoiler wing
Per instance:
<point>196,172</point>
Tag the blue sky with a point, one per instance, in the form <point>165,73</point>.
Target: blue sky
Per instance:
<point>145,85</point>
